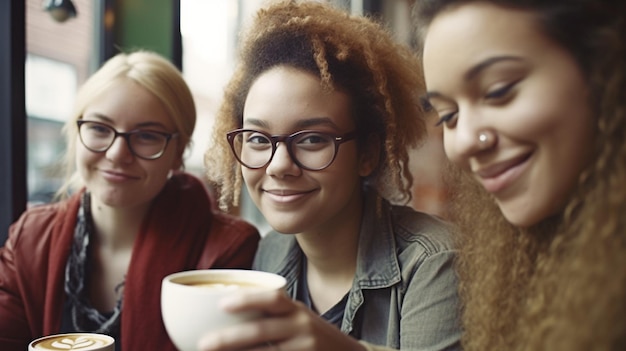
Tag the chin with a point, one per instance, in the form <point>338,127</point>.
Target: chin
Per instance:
<point>285,229</point>
<point>281,226</point>
<point>523,219</point>
<point>531,213</point>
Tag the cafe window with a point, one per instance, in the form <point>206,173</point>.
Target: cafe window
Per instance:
<point>60,56</point>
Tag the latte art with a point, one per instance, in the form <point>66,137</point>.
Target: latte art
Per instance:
<point>77,342</point>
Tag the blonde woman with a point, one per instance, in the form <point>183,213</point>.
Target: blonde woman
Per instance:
<point>94,261</point>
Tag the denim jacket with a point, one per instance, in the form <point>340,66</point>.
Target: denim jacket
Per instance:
<point>404,294</point>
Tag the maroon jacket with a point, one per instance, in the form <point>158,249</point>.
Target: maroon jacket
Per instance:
<point>182,231</point>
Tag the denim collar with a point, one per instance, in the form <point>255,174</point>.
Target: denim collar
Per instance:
<point>377,262</point>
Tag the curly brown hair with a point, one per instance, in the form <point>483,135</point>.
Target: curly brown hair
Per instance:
<point>353,53</point>
<point>560,285</point>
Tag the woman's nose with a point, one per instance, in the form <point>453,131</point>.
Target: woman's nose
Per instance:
<point>471,135</point>
<point>282,164</point>
<point>120,151</point>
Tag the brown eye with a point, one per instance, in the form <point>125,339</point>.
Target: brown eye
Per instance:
<point>448,119</point>
<point>500,92</point>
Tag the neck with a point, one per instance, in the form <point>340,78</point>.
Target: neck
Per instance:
<point>331,260</point>
<point>333,254</point>
<point>116,228</point>
<point>332,250</point>
<point>331,266</point>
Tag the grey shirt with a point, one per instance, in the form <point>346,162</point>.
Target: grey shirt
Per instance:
<point>404,294</point>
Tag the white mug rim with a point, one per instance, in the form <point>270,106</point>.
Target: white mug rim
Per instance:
<point>268,281</point>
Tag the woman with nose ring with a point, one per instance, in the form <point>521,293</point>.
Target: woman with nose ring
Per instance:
<point>94,261</point>
<point>317,122</point>
<point>531,97</point>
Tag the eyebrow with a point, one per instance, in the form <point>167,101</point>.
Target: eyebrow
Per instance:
<point>108,120</point>
<point>481,66</point>
<point>471,73</point>
<point>306,123</point>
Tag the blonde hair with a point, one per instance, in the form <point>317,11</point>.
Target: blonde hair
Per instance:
<point>351,53</point>
<point>152,72</point>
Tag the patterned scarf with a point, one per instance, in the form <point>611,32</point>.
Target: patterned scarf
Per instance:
<point>85,318</point>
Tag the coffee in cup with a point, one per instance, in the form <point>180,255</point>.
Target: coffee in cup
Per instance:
<point>73,342</point>
<point>190,301</point>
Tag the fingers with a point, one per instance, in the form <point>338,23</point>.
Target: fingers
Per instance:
<point>287,326</point>
<point>267,347</point>
<point>272,303</point>
<point>259,335</point>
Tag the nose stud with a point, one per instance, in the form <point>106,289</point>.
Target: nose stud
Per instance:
<point>486,139</point>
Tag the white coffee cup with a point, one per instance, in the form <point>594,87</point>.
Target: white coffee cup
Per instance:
<point>190,301</point>
<point>73,342</point>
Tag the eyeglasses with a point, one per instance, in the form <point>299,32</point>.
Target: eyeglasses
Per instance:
<point>145,144</point>
<point>309,149</point>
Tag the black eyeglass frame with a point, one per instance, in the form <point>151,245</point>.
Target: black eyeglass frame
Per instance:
<point>288,139</point>
<point>126,136</point>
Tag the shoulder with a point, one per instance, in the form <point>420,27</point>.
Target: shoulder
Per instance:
<point>230,243</point>
<point>38,225</point>
<point>408,228</point>
<point>232,225</point>
<point>414,228</point>
<point>187,193</point>
<point>39,217</point>
<point>275,249</point>
<point>275,242</point>
<point>274,237</point>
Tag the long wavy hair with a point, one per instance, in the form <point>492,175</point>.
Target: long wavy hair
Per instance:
<point>352,53</point>
<point>560,285</point>
<point>152,72</point>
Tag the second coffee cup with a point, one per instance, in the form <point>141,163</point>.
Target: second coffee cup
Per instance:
<point>73,341</point>
<point>190,301</point>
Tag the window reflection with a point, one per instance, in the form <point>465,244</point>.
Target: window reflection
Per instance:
<point>209,32</point>
<point>58,59</point>
<point>61,56</point>
<point>50,90</point>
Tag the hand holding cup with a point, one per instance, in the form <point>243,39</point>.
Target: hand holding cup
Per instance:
<point>190,301</point>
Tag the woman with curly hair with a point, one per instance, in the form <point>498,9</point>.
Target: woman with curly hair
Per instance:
<point>533,114</point>
<point>317,122</point>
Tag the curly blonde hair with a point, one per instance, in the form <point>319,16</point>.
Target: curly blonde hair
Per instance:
<point>560,285</point>
<point>353,53</point>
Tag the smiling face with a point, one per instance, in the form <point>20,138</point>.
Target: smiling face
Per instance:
<point>116,177</point>
<point>491,70</point>
<point>293,200</point>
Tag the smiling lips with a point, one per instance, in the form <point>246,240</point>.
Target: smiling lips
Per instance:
<point>117,177</point>
<point>285,195</point>
<point>499,176</point>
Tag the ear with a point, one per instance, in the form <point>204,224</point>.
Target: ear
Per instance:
<point>178,162</point>
<point>369,156</point>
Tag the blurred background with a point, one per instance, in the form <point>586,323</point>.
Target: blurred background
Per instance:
<point>49,48</point>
